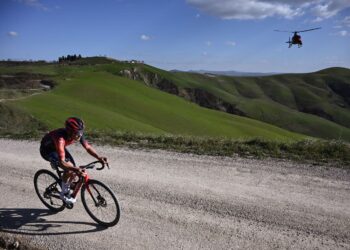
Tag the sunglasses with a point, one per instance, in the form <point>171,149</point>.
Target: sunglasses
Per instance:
<point>77,133</point>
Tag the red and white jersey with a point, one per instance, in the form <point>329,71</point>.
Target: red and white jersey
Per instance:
<point>58,139</point>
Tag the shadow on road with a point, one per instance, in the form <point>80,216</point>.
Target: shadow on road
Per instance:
<point>32,221</point>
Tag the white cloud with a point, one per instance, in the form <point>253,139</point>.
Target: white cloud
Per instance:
<point>317,20</point>
<point>34,3</point>
<point>12,33</point>
<point>343,33</point>
<point>260,9</point>
<point>231,43</point>
<point>346,21</point>
<point>244,9</point>
<point>341,24</point>
<point>324,9</point>
<point>145,37</point>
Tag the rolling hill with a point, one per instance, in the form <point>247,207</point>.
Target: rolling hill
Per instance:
<point>114,95</point>
<point>109,102</point>
<point>315,104</point>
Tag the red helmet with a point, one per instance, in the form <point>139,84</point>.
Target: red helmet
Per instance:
<point>75,125</point>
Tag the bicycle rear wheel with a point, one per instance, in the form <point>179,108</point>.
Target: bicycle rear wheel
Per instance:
<point>47,187</point>
<point>100,203</point>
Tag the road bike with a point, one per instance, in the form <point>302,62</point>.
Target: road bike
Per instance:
<point>98,199</point>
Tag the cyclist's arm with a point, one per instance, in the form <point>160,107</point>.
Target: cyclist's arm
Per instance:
<point>68,166</point>
<point>93,153</point>
<point>91,150</point>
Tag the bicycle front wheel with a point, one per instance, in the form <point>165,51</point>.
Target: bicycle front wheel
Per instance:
<point>100,203</point>
<point>48,189</point>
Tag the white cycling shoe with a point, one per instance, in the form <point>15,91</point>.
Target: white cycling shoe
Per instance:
<point>67,198</point>
<point>65,194</point>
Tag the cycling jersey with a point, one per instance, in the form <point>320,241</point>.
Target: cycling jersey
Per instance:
<point>57,140</point>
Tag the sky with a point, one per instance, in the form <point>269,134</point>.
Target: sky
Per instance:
<point>181,34</point>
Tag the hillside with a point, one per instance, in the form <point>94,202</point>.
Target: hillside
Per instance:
<point>315,104</point>
<point>108,102</point>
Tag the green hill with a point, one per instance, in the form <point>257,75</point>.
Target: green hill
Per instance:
<point>109,102</point>
<point>315,104</point>
<point>114,95</point>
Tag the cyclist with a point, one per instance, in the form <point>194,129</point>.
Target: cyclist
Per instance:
<point>53,149</point>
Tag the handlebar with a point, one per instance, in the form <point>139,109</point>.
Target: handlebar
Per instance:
<point>92,165</point>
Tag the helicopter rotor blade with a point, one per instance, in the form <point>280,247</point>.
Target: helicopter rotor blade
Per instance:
<point>308,30</point>
<point>296,31</point>
<point>284,31</point>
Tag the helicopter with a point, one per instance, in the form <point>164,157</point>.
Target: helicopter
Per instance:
<point>296,39</point>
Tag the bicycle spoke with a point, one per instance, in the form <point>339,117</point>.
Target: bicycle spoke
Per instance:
<point>48,189</point>
<point>101,203</point>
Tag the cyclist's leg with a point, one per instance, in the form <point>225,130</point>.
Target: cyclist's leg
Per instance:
<point>50,156</point>
<point>66,180</point>
<point>54,160</point>
<point>67,175</point>
<point>69,157</point>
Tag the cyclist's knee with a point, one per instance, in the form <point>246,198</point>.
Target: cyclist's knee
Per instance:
<point>54,164</point>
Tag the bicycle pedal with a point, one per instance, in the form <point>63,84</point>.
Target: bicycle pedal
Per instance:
<point>69,206</point>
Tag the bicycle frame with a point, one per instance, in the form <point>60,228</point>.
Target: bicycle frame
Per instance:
<point>82,181</point>
<point>93,193</point>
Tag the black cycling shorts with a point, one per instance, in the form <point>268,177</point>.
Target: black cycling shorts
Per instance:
<point>53,158</point>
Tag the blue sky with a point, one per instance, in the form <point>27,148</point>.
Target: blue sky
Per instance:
<point>181,34</point>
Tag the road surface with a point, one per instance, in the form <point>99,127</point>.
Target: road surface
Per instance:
<point>181,201</point>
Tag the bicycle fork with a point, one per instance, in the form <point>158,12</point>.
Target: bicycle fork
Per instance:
<point>100,200</point>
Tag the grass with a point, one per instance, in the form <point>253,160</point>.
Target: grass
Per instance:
<point>305,101</point>
<point>106,101</point>
<point>312,150</point>
<point>335,153</point>
<point>17,123</point>
<point>120,111</point>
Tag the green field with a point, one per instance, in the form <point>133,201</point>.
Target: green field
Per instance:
<point>99,91</point>
<point>316,104</point>
<point>108,102</point>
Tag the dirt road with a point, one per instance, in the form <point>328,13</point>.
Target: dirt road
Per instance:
<point>179,201</point>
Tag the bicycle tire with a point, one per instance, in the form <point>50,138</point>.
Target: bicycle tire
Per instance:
<point>50,190</point>
<point>96,188</point>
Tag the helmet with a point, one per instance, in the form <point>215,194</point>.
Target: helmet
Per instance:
<point>75,125</point>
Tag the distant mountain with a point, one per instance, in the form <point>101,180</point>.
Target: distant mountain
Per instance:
<point>231,73</point>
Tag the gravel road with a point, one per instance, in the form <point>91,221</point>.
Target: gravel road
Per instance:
<point>182,201</point>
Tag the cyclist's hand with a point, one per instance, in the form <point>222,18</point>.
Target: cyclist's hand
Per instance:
<point>80,172</point>
<point>103,159</point>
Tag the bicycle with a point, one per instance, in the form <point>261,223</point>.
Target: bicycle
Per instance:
<point>98,199</point>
